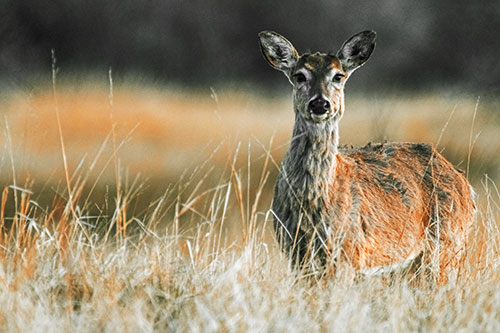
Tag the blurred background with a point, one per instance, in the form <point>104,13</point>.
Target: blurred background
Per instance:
<point>421,44</point>
<point>190,93</point>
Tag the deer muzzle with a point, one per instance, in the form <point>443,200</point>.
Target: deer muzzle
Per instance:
<point>319,106</point>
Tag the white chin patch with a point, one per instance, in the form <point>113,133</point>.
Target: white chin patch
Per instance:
<point>319,117</point>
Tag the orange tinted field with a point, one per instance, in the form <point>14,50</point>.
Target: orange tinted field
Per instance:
<point>160,133</point>
<point>161,219</point>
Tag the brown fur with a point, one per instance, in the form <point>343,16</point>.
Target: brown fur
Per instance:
<point>404,190</point>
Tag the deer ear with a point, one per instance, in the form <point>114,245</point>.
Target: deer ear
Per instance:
<point>356,50</point>
<point>278,51</point>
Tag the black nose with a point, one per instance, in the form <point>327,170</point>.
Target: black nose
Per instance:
<point>319,106</point>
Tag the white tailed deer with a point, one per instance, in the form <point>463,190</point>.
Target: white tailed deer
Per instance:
<point>375,206</point>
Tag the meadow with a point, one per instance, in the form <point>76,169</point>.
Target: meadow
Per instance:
<point>134,207</point>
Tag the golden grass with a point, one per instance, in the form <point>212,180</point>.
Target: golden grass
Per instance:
<point>167,129</point>
<point>187,245</point>
<point>172,130</point>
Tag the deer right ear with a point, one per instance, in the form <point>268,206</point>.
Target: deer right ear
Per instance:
<point>278,51</point>
<point>356,50</point>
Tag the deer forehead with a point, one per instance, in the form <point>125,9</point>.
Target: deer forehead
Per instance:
<point>319,63</point>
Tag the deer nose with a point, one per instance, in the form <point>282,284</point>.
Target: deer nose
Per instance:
<point>319,106</point>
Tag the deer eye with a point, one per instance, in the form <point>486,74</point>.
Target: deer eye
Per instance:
<point>338,77</point>
<point>299,78</point>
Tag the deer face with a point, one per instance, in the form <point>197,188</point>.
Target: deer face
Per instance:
<point>318,79</point>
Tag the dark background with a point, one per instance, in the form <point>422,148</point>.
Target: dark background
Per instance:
<point>422,45</point>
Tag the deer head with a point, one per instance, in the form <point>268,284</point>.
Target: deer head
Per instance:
<point>318,79</point>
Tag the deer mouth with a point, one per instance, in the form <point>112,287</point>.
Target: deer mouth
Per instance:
<point>319,117</point>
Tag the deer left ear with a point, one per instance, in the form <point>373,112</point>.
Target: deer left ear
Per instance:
<point>278,51</point>
<point>356,50</point>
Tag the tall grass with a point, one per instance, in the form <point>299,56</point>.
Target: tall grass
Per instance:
<point>86,246</point>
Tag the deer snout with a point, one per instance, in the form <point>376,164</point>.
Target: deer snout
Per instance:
<point>319,106</point>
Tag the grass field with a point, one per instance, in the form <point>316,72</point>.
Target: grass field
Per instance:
<point>139,208</point>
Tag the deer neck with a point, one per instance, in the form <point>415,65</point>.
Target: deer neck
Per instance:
<point>311,160</point>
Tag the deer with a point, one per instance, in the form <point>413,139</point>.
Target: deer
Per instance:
<point>375,208</point>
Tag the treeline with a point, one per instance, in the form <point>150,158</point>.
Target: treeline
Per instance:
<point>421,44</point>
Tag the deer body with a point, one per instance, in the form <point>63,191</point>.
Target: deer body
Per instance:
<point>373,206</point>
